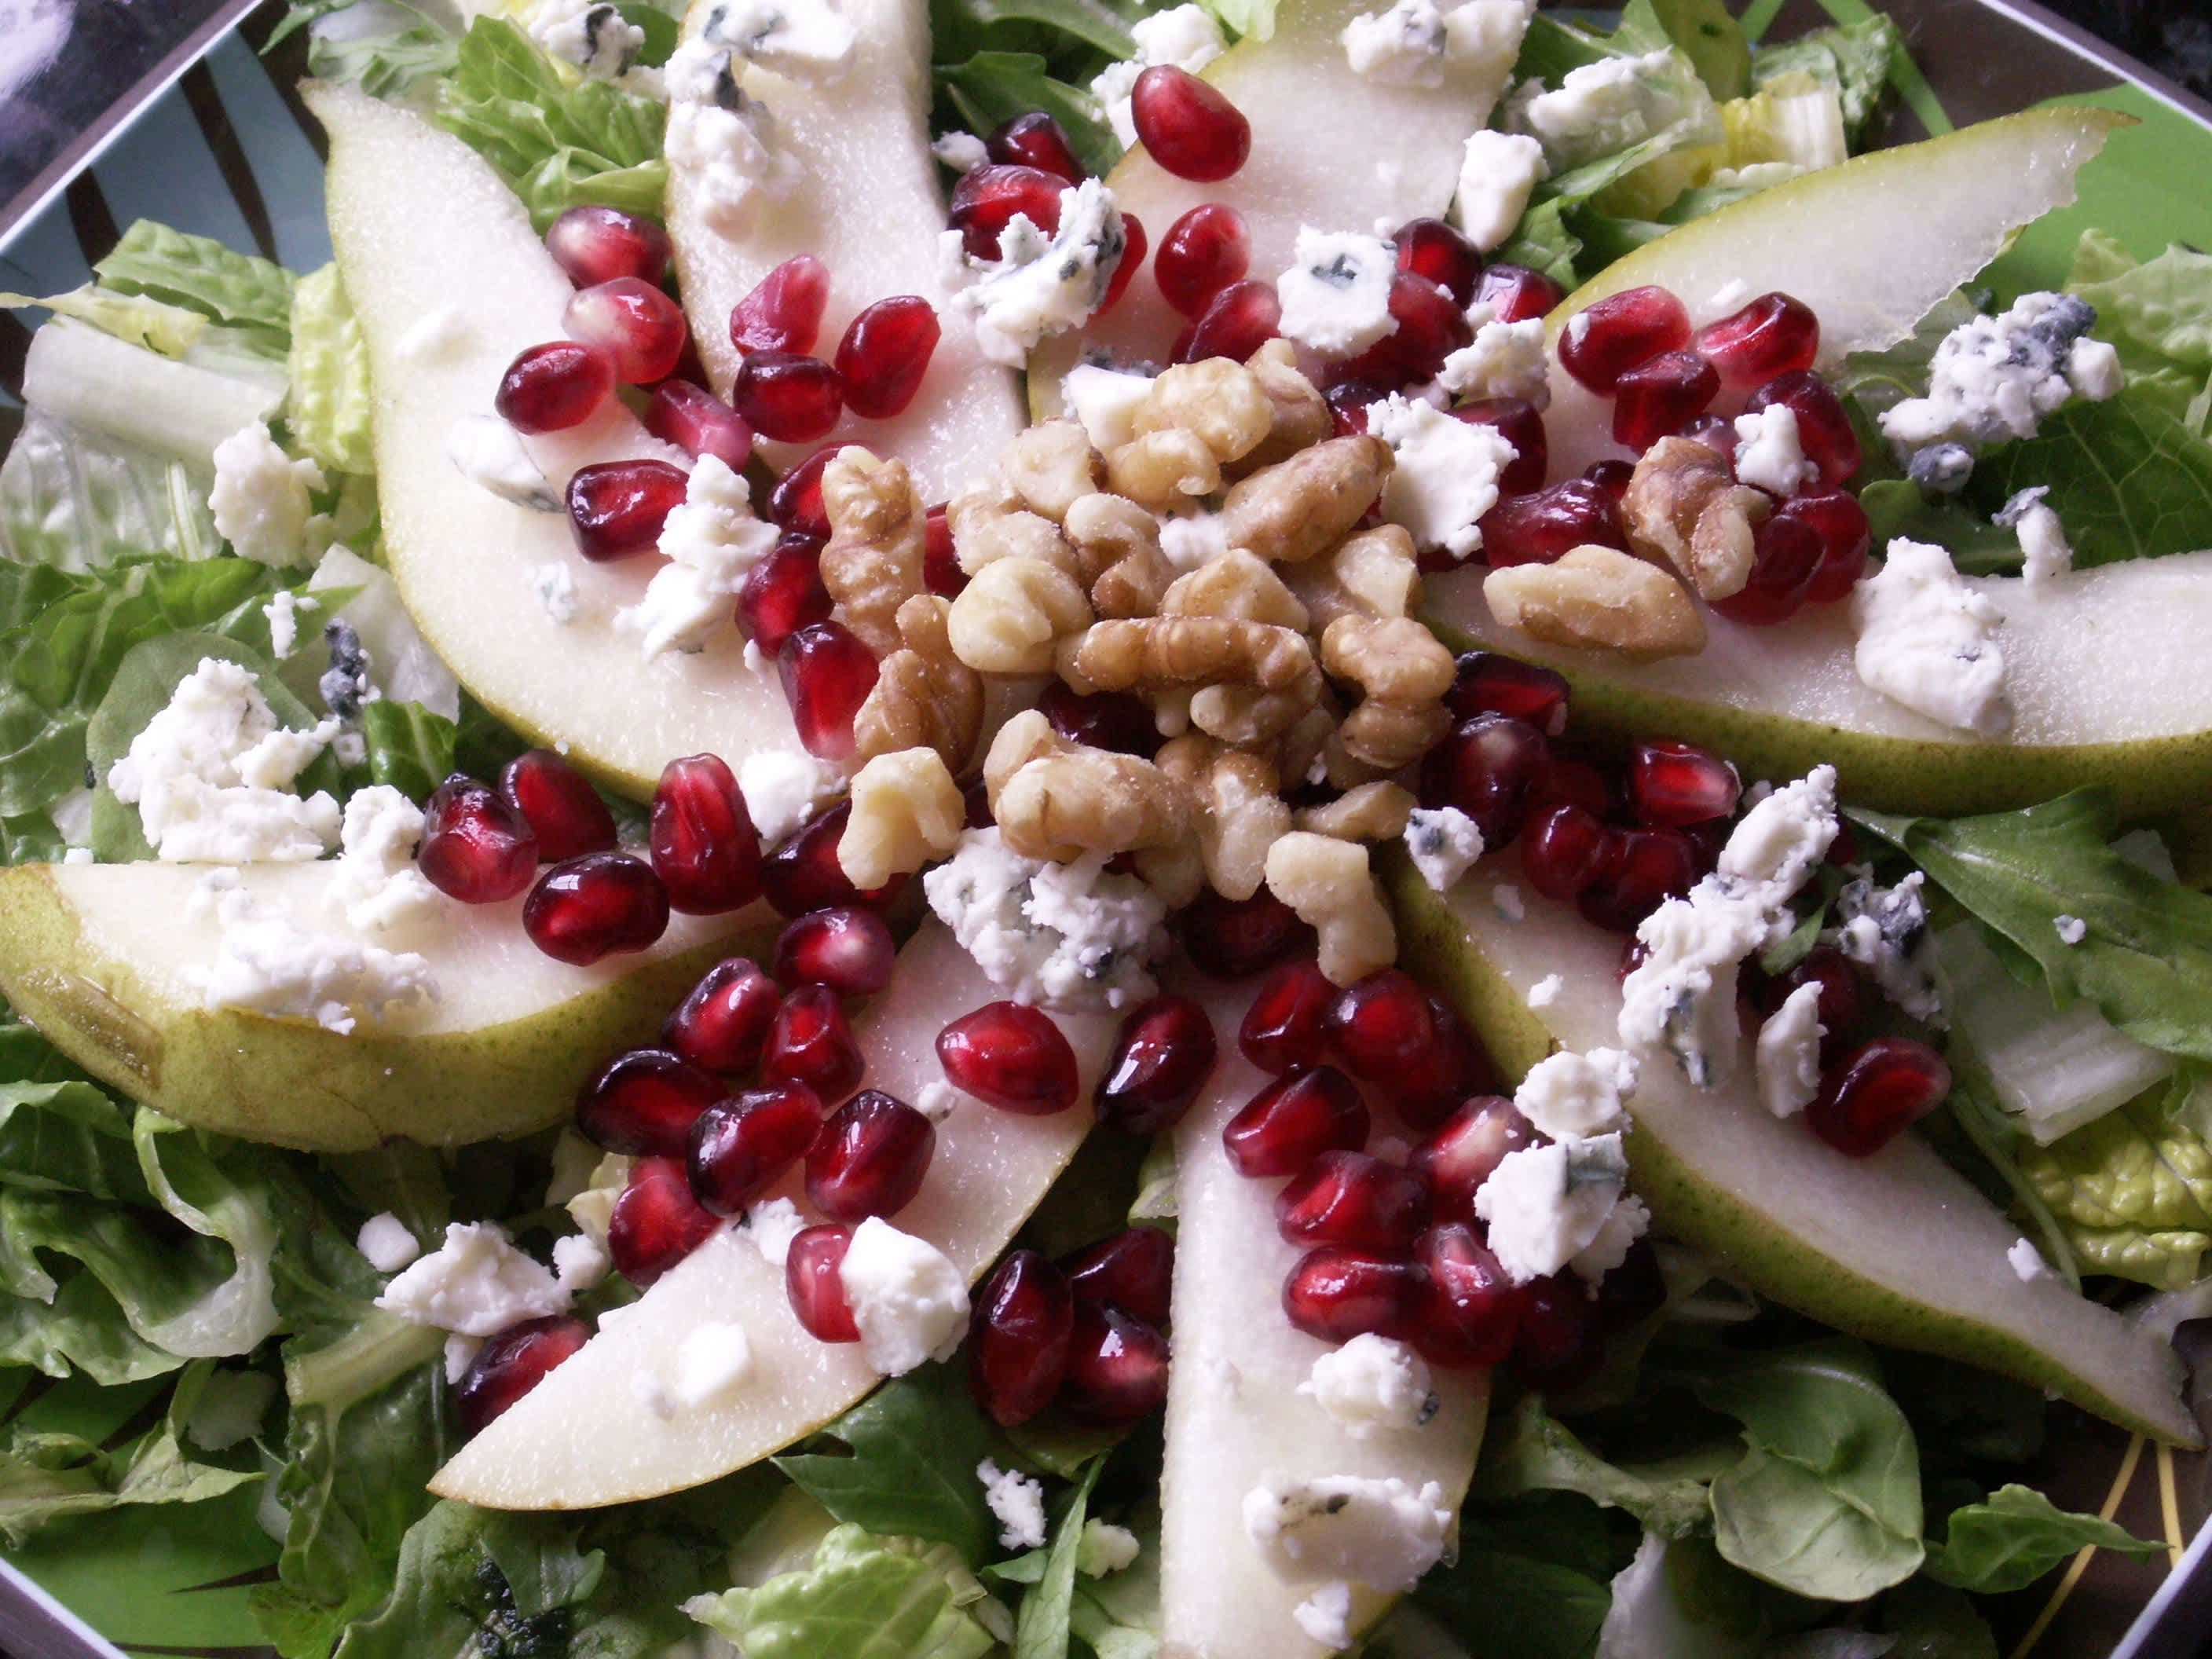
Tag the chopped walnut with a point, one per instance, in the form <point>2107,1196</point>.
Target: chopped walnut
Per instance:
<point>1164,469</point>
<point>878,535</point>
<point>1059,801</point>
<point>1685,507</point>
<point>1148,652</point>
<point>1241,815</point>
<point>1175,872</point>
<point>1051,466</point>
<point>1291,511</point>
<point>1300,748</point>
<point>1236,584</point>
<point>1600,599</point>
<point>1374,811</point>
<point>989,522</point>
<point>1221,402</point>
<point>1246,716</point>
<point>1374,573</point>
<point>924,694</point>
<point>1332,887</point>
<point>1405,671</point>
<point>1013,614</point>
<point>906,811</point>
<point>1118,545</point>
<point>1297,418</point>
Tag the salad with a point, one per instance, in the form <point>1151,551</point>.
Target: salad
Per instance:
<point>1038,827</point>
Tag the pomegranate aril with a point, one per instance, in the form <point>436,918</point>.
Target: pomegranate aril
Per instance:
<point>1843,1002</point>
<point>1563,847</point>
<point>723,1023</point>
<point>869,1158</point>
<point>1117,1368</point>
<point>1287,1026</point>
<point>1606,340</point>
<point>1011,1056</point>
<point>1486,767</point>
<point>1336,1294</point>
<point>1514,293</point>
<point>616,509</point>
<point>1162,1058</point>
<point>1672,785</point>
<point>1638,870</point>
<point>1231,939</point>
<point>636,325</point>
<point>1468,1308</point>
<point>1354,1201</point>
<point>1490,682</point>
<point>1613,477</point>
<point>794,504</point>
<point>804,874</point>
<point>1394,1035</point>
<point>810,1041</point>
<point>1293,1121</point>
<point>1203,252</point>
<point>1431,325</point>
<point>1882,1088</point>
<point>592,907</point>
<point>783,593</point>
<point>1546,525</point>
<point>1348,403</point>
<point>1773,335</point>
<point>1019,1337</point>
<point>564,812</point>
<point>740,1147</point>
<point>844,947</point>
<point>1133,244</point>
<point>656,1221</point>
<point>1846,537</point>
<point>827,675</point>
<point>1658,397</point>
<point>1104,719</point>
<point>703,845</point>
<point>941,560</point>
<point>1515,420</point>
<point>1717,433</point>
<point>475,846</point>
<point>1560,1342</point>
<point>1824,427</point>
<point>1243,317</point>
<point>596,245</point>
<point>987,198</point>
<point>884,354</point>
<point>1431,248</point>
<point>813,1277</point>
<point>784,311</point>
<point>1036,140</point>
<point>1466,1149</point>
<point>1189,127</point>
<point>552,387</point>
<point>1786,555</point>
<point>645,1101</point>
<point>1575,783</point>
<point>512,1363</point>
<point>699,423</point>
<point>1132,1271</point>
<point>791,398</point>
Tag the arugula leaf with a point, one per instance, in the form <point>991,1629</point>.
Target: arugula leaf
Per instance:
<point>861,1597</point>
<point>1041,1628</point>
<point>200,274</point>
<point>2128,476</point>
<point>902,1462</point>
<point>2018,1536</point>
<point>410,748</point>
<point>330,401</point>
<point>2132,1192</point>
<point>1533,1451</point>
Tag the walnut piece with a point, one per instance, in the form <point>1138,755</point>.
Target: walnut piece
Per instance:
<point>1117,544</point>
<point>1241,815</point>
<point>1405,671</point>
<point>1374,573</point>
<point>924,695</point>
<point>1221,402</point>
<point>1297,418</point>
<point>1059,801</point>
<point>1291,511</point>
<point>1685,507</point>
<point>1012,613</point>
<point>1374,811</point>
<point>1332,887</point>
<point>878,536</point>
<point>1236,584</point>
<point>1148,652</point>
<point>906,811</point>
<point>989,522</point>
<point>1598,599</point>
<point>1164,470</point>
<point>1051,466</point>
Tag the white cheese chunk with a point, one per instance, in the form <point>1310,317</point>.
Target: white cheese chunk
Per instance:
<point>1040,284</point>
<point>1068,936</point>
<point>1787,1056</point>
<point>259,501</point>
<point>385,1240</point>
<point>1372,1385</point>
<point>591,34</point>
<point>1928,640</point>
<point>806,41</point>
<point>1382,1534</point>
<point>1326,1615</point>
<point>714,1362</point>
<point>711,542</point>
<point>1336,291</point>
<point>1503,360</point>
<point>489,453</point>
<point>1499,171</point>
<point>1443,843</point>
<point>1105,1549</point>
<point>474,1283</point>
<point>784,790</point>
<point>1567,1094</point>
<point>1104,402</point>
<point>771,1224</point>
<point>1771,453</point>
<point>1546,1204</point>
<point>1446,473</point>
<point>2026,1262</point>
<point>266,963</point>
<point>1017,1503</point>
<point>1186,36</point>
<point>908,1300</point>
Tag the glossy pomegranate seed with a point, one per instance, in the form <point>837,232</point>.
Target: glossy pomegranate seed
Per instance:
<point>699,423</point>
<point>1354,1201</point>
<point>704,848</point>
<point>1486,767</point>
<point>1846,538</point>
<point>476,847</point>
<point>656,1221</point>
<point>784,396</point>
<point>810,1041</point>
<point>636,325</point>
<point>1515,420</point>
<point>940,561</point>
<point>1717,433</point>
<point>1575,782</point>
<point>869,1158</point>
<point>1786,555</point>
<point>783,593</point>
<point>552,387</point>
<point>1011,1056</point>
<point>1606,340</point>
<point>1462,1152</point>
<point>1190,128</point>
<point>1613,476</point>
<point>1431,325</point>
<point>794,505</point>
<point>1824,429</point>
<point>1563,847</point>
<point>1395,1036</point>
<point>564,812</point>
<point>1844,1000</point>
<point>1560,1342</point>
<point>1287,1026</point>
<point>1102,720</point>
<point>1230,939</point>
<point>1431,248</point>
<point>1160,1060</point>
<point>1203,252</point>
<point>1293,1121</point>
<point>1773,335</point>
<point>723,1023</point>
<point>1638,870</point>
<point>616,509</point>
<point>1672,785</point>
<point>1490,682</point>
<point>884,354</point>
<point>645,1101</point>
<point>1133,244</point>
<point>813,1277</point>
<point>784,312</point>
<point>1634,1290</point>
<point>827,675</point>
<point>1132,1271</point>
<point>1544,524</point>
<point>1516,294</point>
<point>1243,317</point>
<point>845,947</point>
<point>1036,140</point>
<point>987,198</point>
<point>1882,1087</point>
<point>804,874</point>
<point>1348,403</point>
<point>1336,1294</point>
<point>1469,1309</point>
<point>596,245</point>
<point>512,1363</point>
<point>1019,1336</point>
<point>595,906</point>
<point>740,1147</point>
<point>1117,1368</point>
<point>1661,397</point>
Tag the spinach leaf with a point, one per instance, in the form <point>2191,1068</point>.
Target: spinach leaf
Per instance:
<point>2128,477</point>
<point>2018,1536</point>
<point>902,1462</point>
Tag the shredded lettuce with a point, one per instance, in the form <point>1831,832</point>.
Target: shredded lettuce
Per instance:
<point>249,294</point>
<point>328,408</point>
<point>859,1597</point>
<point>1856,59</point>
<point>2133,1193</point>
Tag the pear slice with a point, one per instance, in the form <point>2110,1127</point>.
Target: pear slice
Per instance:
<point>1897,1247</point>
<point>108,961</point>
<point>866,203</point>
<point>583,1438</point>
<point>425,232</point>
<point>1235,1416</point>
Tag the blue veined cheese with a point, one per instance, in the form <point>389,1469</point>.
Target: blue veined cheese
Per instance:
<point>1787,1057</point>
<point>1600,108</point>
<point>1372,1385</point>
<point>489,453</point>
<point>1928,641</point>
<point>1017,1503</point>
<point>260,499</point>
<point>1383,1534</point>
<point>1039,285</point>
<point>1503,360</point>
<point>1443,843</point>
<point>1569,1095</point>
<point>1184,36</point>
<point>1419,43</point>
<point>591,34</point>
<point>268,964</point>
<point>1770,453</point>
<point>908,1300</point>
<point>711,542</point>
<point>1545,1205</point>
<point>1336,293</point>
<point>377,886</point>
<point>808,41</point>
<point>553,585</point>
<point>724,142</point>
<point>1497,174</point>
<point>474,1283</point>
<point>1070,936</point>
<point>1781,840</point>
<point>962,152</point>
<point>1446,474</point>
<point>1885,931</point>
<point>2045,552</point>
<point>1104,402</point>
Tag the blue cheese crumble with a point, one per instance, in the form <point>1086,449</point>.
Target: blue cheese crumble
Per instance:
<point>1039,285</point>
<point>1446,472</point>
<point>1497,174</point>
<point>1067,936</point>
<point>1186,36</point>
<point>1928,640</point>
<point>1336,293</point>
<point>1444,844</point>
<point>711,542</point>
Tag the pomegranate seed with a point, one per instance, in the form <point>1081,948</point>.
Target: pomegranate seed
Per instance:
<point>1117,1368</point>
<point>1394,1035</point>
<point>940,561</point>
<point>723,1023</point>
<point>1560,1342</point>
<point>636,325</point>
<point>1674,785</point>
<point>1353,1200</point>
<point>987,198</point>
<point>616,509</point>
<point>1786,555</point>
<point>784,312</point>
<point>813,1277</point>
<point>1232,939</point>
<point>1336,1294</point>
<point>1885,1085</point>
<point>703,845</point>
<point>1773,335</point>
<point>869,1158</point>
<point>804,874</point>
<point>1824,429</point>
<point>1431,248</point>
<point>1463,1151</point>
<point>1161,1059</point>
<point>1634,1290</point>
<point>1293,1121</point>
<point>1104,719</point>
<point>1203,252</point>
<point>846,948</point>
<point>645,1101</point>
<point>512,1363</point>
<point>1132,1271</point>
<point>810,1041</point>
<point>1516,294</point>
<point>656,1221</point>
<point>1431,325</point>
<point>740,1147</point>
<point>783,593</point>
<point>1846,538</point>
<point>1563,847</point>
<point>1613,477</point>
<point>594,906</point>
<point>1660,396</point>
<point>1605,340</point>
<point>1542,526</point>
<point>784,396</point>
<point>1019,1337</point>
<point>1575,782</point>
<point>1243,317</point>
<point>1190,128</point>
<point>596,245</point>
<point>1515,420</point>
<point>794,505</point>
<point>1638,870</point>
<point>564,812</point>
<point>1287,1026</point>
<point>1036,140</point>
<point>1489,683</point>
<point>1717,433</point>
<point>884,354</point>
<point>552,387</point>
<point>476,847</point>
<point>1843,1002</point>
<point>1486,767</point>
<point>1011,1056</point>
<point>1133,244</point>
<point>827,675</point>
<point>1468,1308</point>
<point>699,423</point>
<point>1348,403</point>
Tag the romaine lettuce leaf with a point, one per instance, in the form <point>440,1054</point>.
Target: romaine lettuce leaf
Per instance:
<point>252,295</point>
<point>329,404</point>
<point>2133,1192</point>
<point>76,498</point>
<point>861,1597</point>
<point>383,64</point>
<point>1856,58</point>
<point>170,329</point>
<point>2016,1536</point>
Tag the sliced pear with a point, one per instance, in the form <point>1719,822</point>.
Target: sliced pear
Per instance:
<point>1235,1416</point>
<point>867,205</point>
<point>108,961</point>
<point>424,229</point>
<point>1897,1247</point>
<point>583,1438</point>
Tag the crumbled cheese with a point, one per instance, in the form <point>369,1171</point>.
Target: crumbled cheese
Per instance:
<point>581,1261</point>
<point>1598,109</point>
<point>282,614</point>
<point>1189,540</point>
<point>259,501</point>
<point>476,1284</point>
<point>78,855</point>
<point>783,791</point>
<point>1788,1053</point>
<point>1505,899</point>
<point>1770,453</point>
<point>385,1240</point>
<point>1186,36</point>
<point>1545,1204</point>
<point>650,1392</point>
<point>1780,842</point>
<point>1069,936</point>
<point>1571,1096</point>
<point>377,885</point>
<point>1336,291</point>
<point>808,41</point>
<point>711,541</point>
<point>1372,1385</point>
<point>1444,844</point>
<point>1382,1534</point>
<point>436,337</point>
<point>909,1302</point>
<point>771,1224</point>
<point>938,1100</point>
<point>1503,360</point>
<point>1546,991</point>
<point>1105,401</point>
<point>1629,1220</point>
<point>2044,549</point>
<point>724,142</point>
<point>2072,930</point>
<point>1105,1549</point>
<point>1417,43</point>
<point>1326,1615</point>
<point>1446,473</point>
<point>1729,298</point>
<point>489,453</point>
<point>1497,174</point>
<point>2028,1261</point>
<point>713,1362</point>
<point>1928,640</point>
<point>461,1354</point>
<point>963,152</point>
<point>1041,284</point>
<point>553,585</point>
<point>591,34</point>
<point>1883,930</point>
<point>1017,1502</point>
<point>1996,377</point>
<point>267,964</point>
